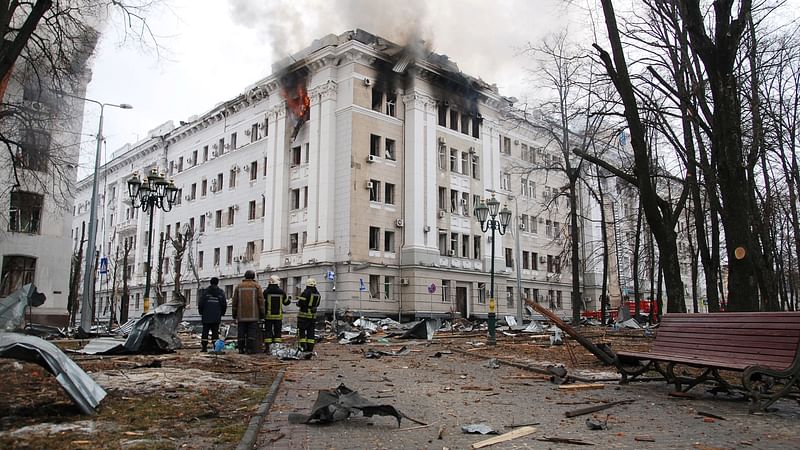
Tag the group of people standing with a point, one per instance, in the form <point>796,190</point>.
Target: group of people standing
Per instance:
<point>252,307</point>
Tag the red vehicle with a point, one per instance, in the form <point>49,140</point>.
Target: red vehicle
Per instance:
<point>644,308</point>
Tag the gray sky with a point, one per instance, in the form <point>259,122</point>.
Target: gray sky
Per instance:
<point>213,49</point>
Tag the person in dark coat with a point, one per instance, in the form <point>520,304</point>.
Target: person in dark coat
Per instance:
<point>308,302</point>
<point>274,301</point>
<point>212,307</point>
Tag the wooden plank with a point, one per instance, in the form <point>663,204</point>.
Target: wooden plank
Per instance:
<point>595,408</point>
<point>581,387</point>
<point>734,315</point>
<point>733,353</point>
<point>739,326</point>
<point>505,437</point>
<point>743,348</point>
<point>715,336</point>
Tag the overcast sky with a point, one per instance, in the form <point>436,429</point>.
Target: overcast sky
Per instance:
<point>211,50</point>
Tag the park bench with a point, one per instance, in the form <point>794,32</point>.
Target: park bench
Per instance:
<point>762,346</point>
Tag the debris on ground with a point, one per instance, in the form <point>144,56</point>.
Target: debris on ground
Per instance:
<point>366,324</point>
<point>478,428</point>
<point>560,440</point>
<point>492,364</point>
<point>375,354</point>
<point>596,424</point>
<point>157,330</point>
<point>591,409</point>
<point>286,352</point>
<point>514,434</point>
<point>341,403</point>
<point>353,337</point>
<point>13,307</point>
<point>422,330</point>
<point>80,387</point>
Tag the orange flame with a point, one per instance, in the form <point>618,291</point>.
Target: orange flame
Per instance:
<point>297,102</point>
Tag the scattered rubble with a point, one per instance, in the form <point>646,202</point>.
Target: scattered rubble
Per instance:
<point>342,403</point>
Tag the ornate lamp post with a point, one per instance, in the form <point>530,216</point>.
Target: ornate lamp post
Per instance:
<point>152,192</point>
<point>484,210</point>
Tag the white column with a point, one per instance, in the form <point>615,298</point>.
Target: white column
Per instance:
<point>321,173</point>
<point>276,188</point>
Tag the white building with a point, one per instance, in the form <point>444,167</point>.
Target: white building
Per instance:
<point>392,151</point>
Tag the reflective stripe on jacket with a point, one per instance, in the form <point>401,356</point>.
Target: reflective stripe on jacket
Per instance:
<point>308,302</point>
<point>274,301</point>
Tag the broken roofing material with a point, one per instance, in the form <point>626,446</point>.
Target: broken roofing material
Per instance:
<point>376,354</point>
<point>422,330</point>
<point>341,403</point>
<point>157,330</point>
<point>12,308</point>
<point>80,387</point>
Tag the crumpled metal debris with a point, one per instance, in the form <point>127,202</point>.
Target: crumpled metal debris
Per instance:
<point>375,354</point>
<point>630,323</point>
<point>478,428</point>
<point>353,337</point>
<point>492,364</point>
<point>156,330</point>
<point>12,308</point>
<point>422,330</point>
<point>80,387</point>
<point>341,403</point>
<point>103,346</point>
<point>511,321</point>
<point>285,352</point>
<point>558,375</point>
<point>593,424</point>
<point>533,327</point>
<point>366,324</point>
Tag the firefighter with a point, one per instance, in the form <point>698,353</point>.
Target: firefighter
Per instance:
<point>274,301</point>
<point>247,310</point>
<point>308,302</point>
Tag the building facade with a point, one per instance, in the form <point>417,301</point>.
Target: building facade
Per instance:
<point>358,164</point>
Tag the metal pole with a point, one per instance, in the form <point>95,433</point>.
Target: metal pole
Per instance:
<point>88,272</point>
<point>146,305</point>
<point>492,317</point>
<point>519,266</point>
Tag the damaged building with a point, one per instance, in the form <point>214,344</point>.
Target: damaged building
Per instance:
<point>358,162</point>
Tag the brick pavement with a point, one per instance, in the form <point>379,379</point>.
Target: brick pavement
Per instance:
<point>457,389</point>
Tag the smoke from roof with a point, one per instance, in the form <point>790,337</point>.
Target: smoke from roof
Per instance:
<point>482,37</point>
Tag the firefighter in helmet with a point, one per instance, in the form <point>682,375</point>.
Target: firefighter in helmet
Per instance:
<point>308,302</point>
<point>274,301</point>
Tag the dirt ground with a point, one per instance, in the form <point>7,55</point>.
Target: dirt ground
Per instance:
<point>194,400</point>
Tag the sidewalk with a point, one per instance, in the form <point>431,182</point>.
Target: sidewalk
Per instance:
<point>457,389</point>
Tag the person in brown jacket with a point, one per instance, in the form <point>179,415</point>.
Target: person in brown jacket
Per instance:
<point>248,309</point>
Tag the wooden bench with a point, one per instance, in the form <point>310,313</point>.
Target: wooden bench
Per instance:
<point>763,346</point>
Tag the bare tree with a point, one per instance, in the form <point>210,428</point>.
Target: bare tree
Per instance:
<point>75,278</point>
<point>180,244</point>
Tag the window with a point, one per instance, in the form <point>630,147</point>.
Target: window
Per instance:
<point>465,124</point>
<point>534,225</point>
<point>509,296</point>
<point>263,205</point>
<point>229,255</point>
<point>231,214</point>
<point>374,190</point>
<point>200,255</point>
<point>509,257</point>
<point>388,282</point>
<point>374,238</point>
<point>202,223</point>
<point>179,197</point>
<point>250,250</point>
<point>265,167</point>
<point>388,193</point>
<point>505,181</point>
<point>377,99</point>
<point>535,294</point>
<point>465,203</point>
<point>453,160</point>
<point>557,264</point>
<point>18,271</point>
<point>253,170</point>
<point>294,199</point>
<point>203,187</point>
<point>476,247</point>
<point>476,172</point>
<point>233,141</point>
<point>442,199</point>
<point>445,291</point>
<point>482,293</point>
<point>294,243</point>
<point>534,261</point>
<point>442,242</point>
<point>266,128</point>
<point>254,132</point>
<point>216,256</point>
<point>25,212</point>
<point>193,191</point>
<point>525,259</point>
<point>251,210</point>
<point>442,111</point>
<point>558,299</point>
<point>391,104</point>
<point>229,291</point>
<point>305,197</point>
<point>221,146</point>
<point>296,156</point>
<point>389,152</point>
<point>548,227</point>
<point>454,244</point>
<point>205,153</point>
<point>442,157</point>
<point>218,219</point>
<point>193,161</point>
<point>550,263</point>
<point>232,178</point>
<point>180,164</point>
<point>374,286</point>
<point>388,241</point>
<point>454,120</point>
<point>34,150</point>
<point>218,187</point>
<point>374,145</point>
<point>465,246</point>
<point>187,296</point>
<point>506,145</point>
<point>476,127</point>
<point>465,163</point>
<point>454,201</point>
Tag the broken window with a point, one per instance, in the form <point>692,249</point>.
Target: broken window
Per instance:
<point>34,150</point>
<point>374,145</point>
<point>374,286</point>
<point>453,160</point>
<point>442,157</point>
<point>510,296</point>
<point>388,194</point>
<point>453,201</point>
<point>391,104</point>
<point>476,173</point>
<point>454,120</point>
<point>25,212</point>
<point>482,293</point>
<point>442,115</point>
<point>453,244</point>
<point>465,124</point>
<point>476,128</point>
<point>296,156</point>
<point>18,271</point>
<point>465,203</point>
<point>442,199</point>
<point>377,99</point>
<point>293,243</point>
<point>374,190</point>
<point>388,241</point>
<point>390,150</point>
<point>374,238</point>
<point>388,282</point>
<point>465,163</point>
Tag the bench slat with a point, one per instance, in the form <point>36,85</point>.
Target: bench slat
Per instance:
<point>777,360</point>
<point>732,343</point>
<point>721,336</point>
<point>731,365</point>
<point>789,328</point>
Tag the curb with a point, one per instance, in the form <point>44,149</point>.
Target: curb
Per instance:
<point>251,434</point>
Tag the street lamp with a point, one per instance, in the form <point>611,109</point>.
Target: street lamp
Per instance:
<point>482,212</point>
<point>152,192</point>
<point>88,278</point>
